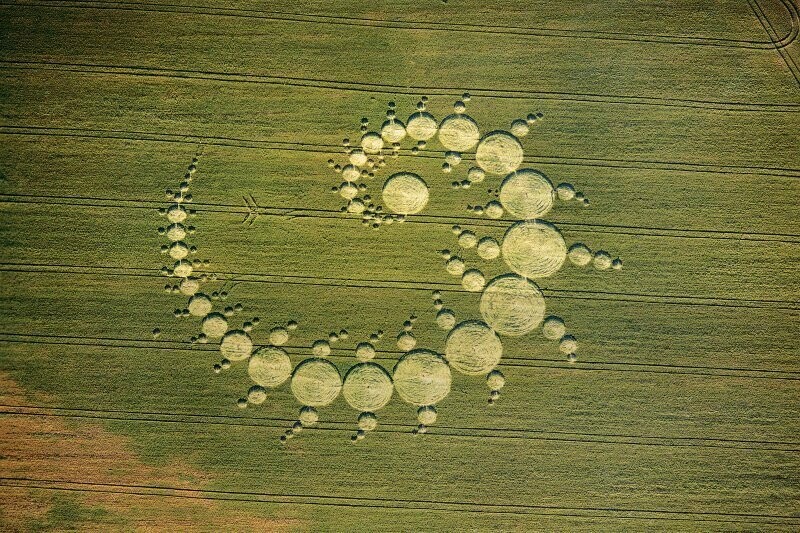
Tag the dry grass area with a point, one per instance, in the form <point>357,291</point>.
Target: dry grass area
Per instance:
<point>56,449</point>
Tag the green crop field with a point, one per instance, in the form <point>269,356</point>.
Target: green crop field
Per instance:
<point>174,169</point>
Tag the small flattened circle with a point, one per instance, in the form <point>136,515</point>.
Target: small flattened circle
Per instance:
<point>393,131</point>
<point>214,325</point>
<point>236,345</point>
<point>372,142</point>
<point>579,254</point>
<point>200,305</point>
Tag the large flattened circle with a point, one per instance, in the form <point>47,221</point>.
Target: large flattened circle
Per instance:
<point>236,345</point>
<point>421,126</point>
<point>316,382</point>
<point>534,249</point>
<point>527,194</point>
<point>176,232</point>
<point>473,348</point>
<point>214,325</point>
<point>371,142</point>
<point>200,305</point>
<point>367,387</point>
<point>422,377</point>
<point>176,213</point>
<point>393,131</point>
<point>499,152</point>
<point>269,366</point>
<point>405,193</point>
<point>512,305</point>
<point>459,132</point>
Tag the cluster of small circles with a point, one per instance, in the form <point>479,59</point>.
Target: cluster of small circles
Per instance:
<point>375,337</point>
<point>474,175</point>
<point>238,345</point>
<point>342,335</point>
<point>445,318</point>
<point>566,192</point>
<point>488,248</point>
<point>452,263</point>
<point>189,286</point>
<point>421,145</point>
<point>176,232</point>
<point>492,209</point>
<point>268,366</point>
<point>199,305</point>
<point>178,249</point>
<point>365,160</point>
<point>495,380</point>
<point>225,364</point>
<point>521,127</point>
<point>358,159</point>
<point>182,194</point>
<point>372,215</point>
<point>452,159</point>
<point>363,163</point>
<point>421,126</point>
<point>406,341</point>
<point>308,418</point>
<point>184,268</point>
<point>580,255</point>
<point>376,219</point>
<point>554,329</point>
<point>455,131</point>
<point>366,422</point>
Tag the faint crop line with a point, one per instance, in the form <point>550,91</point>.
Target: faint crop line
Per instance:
<point>417,25</point>
<point>253,210</point>
<point>389,355</point>
<point>508,362</point>
<point>93,133</point>
<point>348,424</point>
<point>404,429</point>
<point>676,166</point>
<point>368,87</point>
<point>294,279</point>
<point>399,503</point>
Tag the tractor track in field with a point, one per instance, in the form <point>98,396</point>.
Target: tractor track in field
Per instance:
<point>397,503</point>
<point>302,212</point>
<point>513,361</point>
<point>404,429</point>
<point>776,41</point>
<point>332,149</point>
<point>419,25</point>
<point>369,87</point>
<point>321,281</point>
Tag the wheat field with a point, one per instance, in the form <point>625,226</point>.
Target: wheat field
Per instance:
<point>568,301</point>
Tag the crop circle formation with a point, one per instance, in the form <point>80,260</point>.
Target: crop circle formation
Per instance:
<point>510,304</point>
